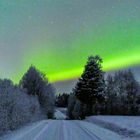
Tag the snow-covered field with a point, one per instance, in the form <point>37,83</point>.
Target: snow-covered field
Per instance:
<point>127,126</point>
<point>62,130</point>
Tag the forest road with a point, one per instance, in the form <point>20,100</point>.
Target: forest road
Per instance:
<point>62,130</point>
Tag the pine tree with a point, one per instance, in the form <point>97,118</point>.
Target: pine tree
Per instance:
<point>90,87</point>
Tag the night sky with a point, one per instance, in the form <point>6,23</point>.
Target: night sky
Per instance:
<point>57,36</point>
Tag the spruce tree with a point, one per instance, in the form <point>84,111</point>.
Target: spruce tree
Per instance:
<point>90,87</point>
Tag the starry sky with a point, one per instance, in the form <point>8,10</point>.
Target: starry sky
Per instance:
<point>57,36</point>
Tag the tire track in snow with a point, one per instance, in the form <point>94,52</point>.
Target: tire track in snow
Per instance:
<point>87,131</point>
<point>41,134</point>
<point>30,134</point>
<point>62,130</point>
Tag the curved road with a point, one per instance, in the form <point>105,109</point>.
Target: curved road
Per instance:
<point>62,130</point>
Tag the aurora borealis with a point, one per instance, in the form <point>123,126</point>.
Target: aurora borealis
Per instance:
<point>57,36</point>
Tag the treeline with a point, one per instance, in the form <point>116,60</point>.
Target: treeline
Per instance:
<point>31,100</point>
<point>122,94</point>
<point>117,94</point>
<point>62,100</point>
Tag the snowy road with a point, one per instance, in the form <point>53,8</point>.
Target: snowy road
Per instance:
<point>59,115</point>
<point>62,130</point>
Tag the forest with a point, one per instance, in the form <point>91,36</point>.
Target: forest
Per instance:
<point>96,93</point>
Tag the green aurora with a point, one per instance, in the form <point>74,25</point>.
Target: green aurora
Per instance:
<point>57,37</point>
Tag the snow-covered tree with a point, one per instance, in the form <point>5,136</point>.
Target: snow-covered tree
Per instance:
<point>122,92</point>
<point>71,104</point>
<point>90,87</point>
<point>131,88</point>
<point>48,100</point>
<point>24,110</point>
<point>77,110</point>
<point>35,83</point>
<point>16,107</point>
<point>111,96</point>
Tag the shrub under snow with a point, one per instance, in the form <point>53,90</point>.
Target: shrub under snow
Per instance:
<point>16,107</point>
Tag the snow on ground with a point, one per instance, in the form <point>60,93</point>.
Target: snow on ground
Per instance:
<point>62,109</point>
<point>62,130</point>
<point>26,131</point>
<point>126,126</point>
<point>59,115</point>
